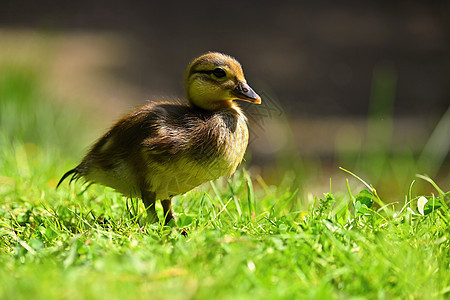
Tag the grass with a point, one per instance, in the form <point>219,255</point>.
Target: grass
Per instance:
<point>246,240</point>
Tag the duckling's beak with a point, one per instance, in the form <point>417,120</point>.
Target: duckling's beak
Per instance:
<point>244,92</point>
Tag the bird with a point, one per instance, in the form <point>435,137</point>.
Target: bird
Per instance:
<point>166,148</point>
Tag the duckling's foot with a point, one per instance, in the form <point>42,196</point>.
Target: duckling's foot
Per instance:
<point>184,232</point>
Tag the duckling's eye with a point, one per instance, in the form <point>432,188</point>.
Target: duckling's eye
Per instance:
<point>219,73</point>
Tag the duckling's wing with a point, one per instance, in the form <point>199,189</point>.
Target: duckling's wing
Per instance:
<point>170,129</point>
<point>155,129</point>
<point>167,144</point>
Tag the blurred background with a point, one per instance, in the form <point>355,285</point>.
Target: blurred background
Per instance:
<point>359,84</point>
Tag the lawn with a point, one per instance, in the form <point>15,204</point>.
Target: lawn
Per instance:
<point>245,239</point>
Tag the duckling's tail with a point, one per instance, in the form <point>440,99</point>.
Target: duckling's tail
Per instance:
<point>75,175</point>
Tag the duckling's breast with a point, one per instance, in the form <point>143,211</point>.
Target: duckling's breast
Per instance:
<point>214,148</point>
<point>222,149</point>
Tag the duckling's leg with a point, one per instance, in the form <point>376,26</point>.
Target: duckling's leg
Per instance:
<point>168,212</point>
<point>149,199</point>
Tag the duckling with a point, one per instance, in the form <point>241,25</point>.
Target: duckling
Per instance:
<point>163,149</point>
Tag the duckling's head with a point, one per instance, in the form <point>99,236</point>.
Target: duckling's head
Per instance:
<point>214,80</point>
